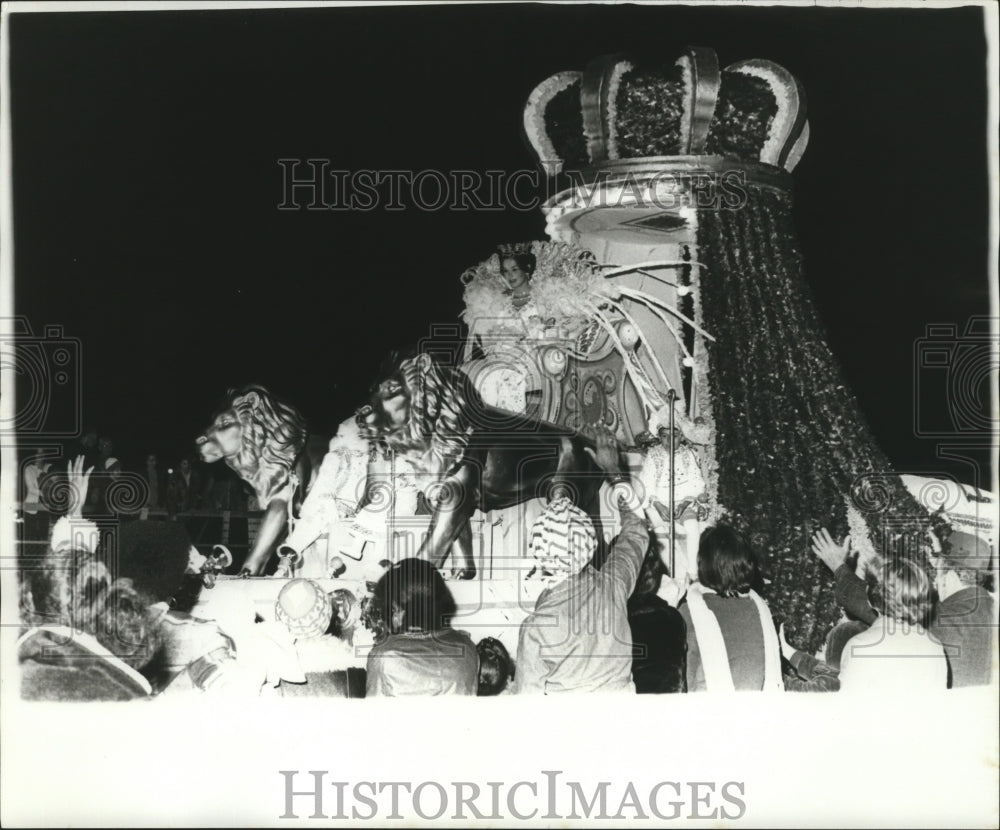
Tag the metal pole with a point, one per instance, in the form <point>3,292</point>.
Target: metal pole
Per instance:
<point>671,397</point>
<point>391,536</point>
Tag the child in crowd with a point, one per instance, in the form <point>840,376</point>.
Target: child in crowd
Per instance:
<point>496,669</point>
<point>323,627</point>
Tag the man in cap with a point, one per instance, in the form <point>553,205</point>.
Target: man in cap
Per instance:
<point>578,637</point>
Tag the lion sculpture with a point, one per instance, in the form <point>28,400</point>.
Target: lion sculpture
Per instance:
<point>473,456</point>
<point>267,444</point>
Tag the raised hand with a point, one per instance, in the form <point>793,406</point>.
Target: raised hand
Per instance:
<point>832,554</point>
<point>606,454</point>
<point>79,484</point>
<point>787,649</point>
<point>673,589</point>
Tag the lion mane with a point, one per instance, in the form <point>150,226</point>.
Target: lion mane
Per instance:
<point>441,417</point>
<point>273,436</point>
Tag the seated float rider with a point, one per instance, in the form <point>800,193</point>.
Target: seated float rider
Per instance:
<point>508,344</point>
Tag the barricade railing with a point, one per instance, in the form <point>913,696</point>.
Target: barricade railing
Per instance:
<point>233,528</point>
<point>496,547</point>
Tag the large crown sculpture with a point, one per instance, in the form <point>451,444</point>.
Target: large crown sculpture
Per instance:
<point>752,111</point>
<point>668,136</point>
<point>642,157</point>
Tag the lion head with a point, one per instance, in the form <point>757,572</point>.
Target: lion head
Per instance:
<point>258,436</point>
<point>423,409</point>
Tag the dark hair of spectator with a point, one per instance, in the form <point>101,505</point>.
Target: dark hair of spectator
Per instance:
<point>414,587</point>
<point>726,562</point>
<point>496,669</point>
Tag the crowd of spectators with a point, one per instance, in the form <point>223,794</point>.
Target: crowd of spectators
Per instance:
<point>620,624</point>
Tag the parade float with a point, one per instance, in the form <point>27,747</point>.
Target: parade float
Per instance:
<point>687,162</point>
<point>671,288</point>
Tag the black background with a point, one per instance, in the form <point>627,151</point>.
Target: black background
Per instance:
<point>146,187</point>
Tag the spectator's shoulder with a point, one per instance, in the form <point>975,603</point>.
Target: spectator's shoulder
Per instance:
<point>462,636</point>
<point>382,649</point>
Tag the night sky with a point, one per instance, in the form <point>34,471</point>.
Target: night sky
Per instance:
<point>146,186</point>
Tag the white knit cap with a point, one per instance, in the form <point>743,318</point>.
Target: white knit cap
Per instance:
<point>304,608</point>
<point>563,538</point>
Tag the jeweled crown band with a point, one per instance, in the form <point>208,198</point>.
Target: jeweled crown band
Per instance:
<point>668,183</point>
